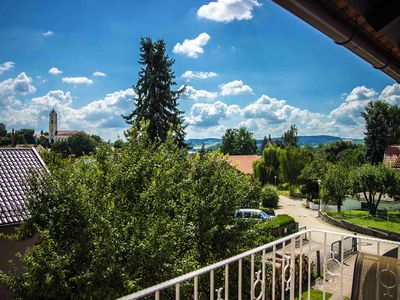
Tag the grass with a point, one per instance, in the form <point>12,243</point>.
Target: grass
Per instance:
<point>363,218</point>
<point>314,295</point>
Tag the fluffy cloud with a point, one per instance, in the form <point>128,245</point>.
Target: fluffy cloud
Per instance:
<point>205,114</point>
<point>192,48</point>
<point>235,87</point>
<point>391,94</point>
<point>77,80</point>
<point>189,75</point>
<point>6,66</point>
<point>22,84</point>
<point>48,33</point>
<point>55,71</point>
<point>361,93</point>
<point>193,94</point>
<point>228,10</point>
<point>101,116</point>
<point>99,74</point>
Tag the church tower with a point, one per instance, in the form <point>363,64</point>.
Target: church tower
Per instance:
<point>52,124</point>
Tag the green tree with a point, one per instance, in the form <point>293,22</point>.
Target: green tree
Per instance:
<point>289,138</point>
<point>292,161</point>
<point>377,125</point>
<point>155,100</point>
<point>265,143</point>
<point>77,145</point>
<point>267,167</point>
<point>315,170</point>
<point>95,217</point>
<point>3,130</point>
<point>238,141</point>
<point>336,185</point>
<point>373,182</point>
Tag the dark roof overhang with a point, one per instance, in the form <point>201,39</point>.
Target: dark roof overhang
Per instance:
<point>368,28</point>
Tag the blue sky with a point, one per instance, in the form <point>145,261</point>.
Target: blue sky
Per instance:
<point>245,63</point>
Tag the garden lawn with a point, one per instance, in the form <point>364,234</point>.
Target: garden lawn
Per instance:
<point>363,218</point>
<point>314,295</point>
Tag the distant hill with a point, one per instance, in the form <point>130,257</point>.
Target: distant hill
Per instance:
<point>313,140</point>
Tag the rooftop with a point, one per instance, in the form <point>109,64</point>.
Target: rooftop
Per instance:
<point>392,156</point>
<point>244,163</point>
<point>15,167</point>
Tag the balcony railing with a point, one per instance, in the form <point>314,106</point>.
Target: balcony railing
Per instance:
<point>282,269</point>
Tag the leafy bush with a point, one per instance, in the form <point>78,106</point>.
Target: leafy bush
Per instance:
<point>284,186</point>
<point>95,217</point>
<point>270,196</point>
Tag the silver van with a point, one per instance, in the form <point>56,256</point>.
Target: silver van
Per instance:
<point>247,213</point>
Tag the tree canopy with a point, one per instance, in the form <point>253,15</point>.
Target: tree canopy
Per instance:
<point>104,223</point>
<point>289,137</point>
<point>373,182</point>
<point>382,122</point>
<point>238,141</point>
<point>155,101</point>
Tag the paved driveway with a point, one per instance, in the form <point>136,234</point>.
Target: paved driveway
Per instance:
<point>309,218</point>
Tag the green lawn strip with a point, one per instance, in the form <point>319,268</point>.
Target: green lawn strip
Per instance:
<point>314,295</point>
<point>362,218</point>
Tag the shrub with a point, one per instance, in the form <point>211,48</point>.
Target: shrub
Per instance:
<point>270,196</point>
<point>284,186</point>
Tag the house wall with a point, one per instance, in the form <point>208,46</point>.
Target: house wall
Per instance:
<point>8,250</point>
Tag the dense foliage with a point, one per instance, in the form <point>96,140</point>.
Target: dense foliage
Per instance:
<point>289,137</point>
<point>238,141</point>
<point>270,197</point>
<point>77,145</point>
<point>155,100</point>
<point>373,182</point>
<point>116,222</point>
<point>382,122</point>
<point>336,185</point>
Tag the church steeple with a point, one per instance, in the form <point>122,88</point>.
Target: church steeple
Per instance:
<point>52,124</point>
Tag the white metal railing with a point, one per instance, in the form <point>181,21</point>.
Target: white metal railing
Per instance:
<point>282,253</point>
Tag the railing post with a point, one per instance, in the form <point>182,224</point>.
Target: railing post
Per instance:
<point>325,265</point>
<point>226,282</point>
<point>252,277</point>
<point>212,285</point>
<point>263,275</point>
<point>292,267</point>
<point>177,291</point>
<point>301,268</point>
<point>240,280</point>
<point>283,272</point>
<point>341,267</point>
<point>309,268</point>
<point>273,271</point>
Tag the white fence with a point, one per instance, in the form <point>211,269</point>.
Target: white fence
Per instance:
<point>274,271</point>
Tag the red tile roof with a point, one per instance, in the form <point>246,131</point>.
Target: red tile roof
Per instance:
<point>15,166</point>
<point>392,156</point>
<point>244,163</point>
<point>68,132</point>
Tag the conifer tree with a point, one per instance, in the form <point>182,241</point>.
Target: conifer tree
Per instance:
<point>155,100</point>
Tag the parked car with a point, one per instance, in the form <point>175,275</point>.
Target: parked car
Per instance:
<point>257,214</point>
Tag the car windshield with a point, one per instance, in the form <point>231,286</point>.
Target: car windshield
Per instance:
<point>264,215</point>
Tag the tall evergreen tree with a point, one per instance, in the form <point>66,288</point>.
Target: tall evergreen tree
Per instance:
<point>290,138</point>
<point>155,100</point>
<point>377,134</point>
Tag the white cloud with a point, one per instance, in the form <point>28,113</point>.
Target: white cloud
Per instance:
<point>188,75</point>
<point>205,114</point>
<point>6,66</point>
<point>391,94</point>
<point>193,94</point>
<point>99,74</point>
<point>228,10</point>
<point>20,85</point>
<point>55,71</point>
<point>101,116</point>
<point>48,33</point>
<point>77,80</point>
<point>235,87</point>
<point>192,48</point>
<point>360,93</point>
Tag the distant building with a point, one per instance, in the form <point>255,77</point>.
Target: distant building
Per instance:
<point>54,133</point>
<point>392,156</point>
